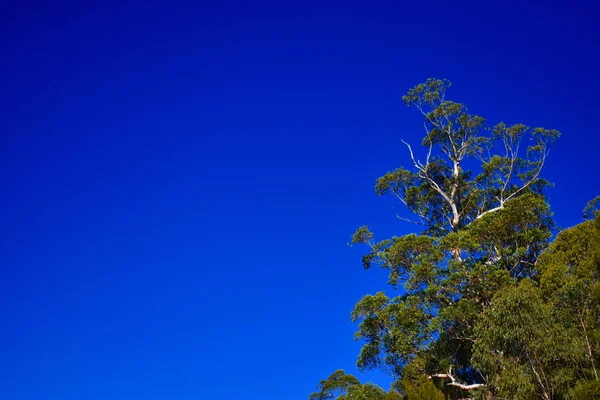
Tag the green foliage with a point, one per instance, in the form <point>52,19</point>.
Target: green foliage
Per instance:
<point>417,385</point>
<point>397,327</point>
<point>521,346</point>
<point>421,389</point>
<point>342,386</point>
<point>541,340</point>
<point>586,391</point>
<point>592,208</point>
<point>488,307</point>
<point>338,383</point>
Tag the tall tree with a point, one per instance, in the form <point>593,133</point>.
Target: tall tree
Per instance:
<point>478,197</point>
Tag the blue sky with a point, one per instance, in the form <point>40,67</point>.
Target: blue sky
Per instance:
<point>180,182</point>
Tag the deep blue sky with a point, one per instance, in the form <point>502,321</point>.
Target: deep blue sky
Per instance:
<point>179,183</point>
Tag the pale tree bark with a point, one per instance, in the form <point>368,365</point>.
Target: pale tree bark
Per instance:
<point>454,381</point>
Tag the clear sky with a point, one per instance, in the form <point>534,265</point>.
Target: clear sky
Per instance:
<point>179,183</point>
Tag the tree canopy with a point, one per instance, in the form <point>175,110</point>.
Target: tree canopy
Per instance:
<point>489,306</point>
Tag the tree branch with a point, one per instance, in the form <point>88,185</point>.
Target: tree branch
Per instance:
<point>491,210</point>
<point>454,381</point>
<point>416,163</point>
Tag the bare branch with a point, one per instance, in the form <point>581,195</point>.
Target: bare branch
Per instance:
<point>491,210</point>
<point>455,382</point>
<point>533,178</point>
<point>435,186</point>
<point>429,152</point>
<point>416,163</point>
